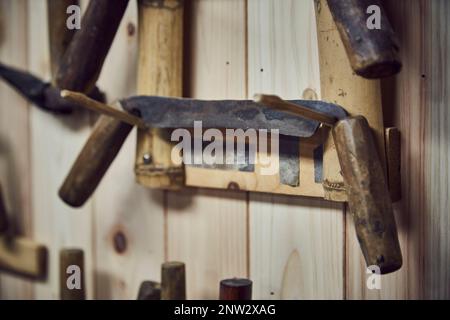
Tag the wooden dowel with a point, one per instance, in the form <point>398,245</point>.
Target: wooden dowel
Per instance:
<point>285,106</point>
<point>102,108</point>
<point>82,62</point>
<point>71,274</point>
<point>173,281</point>
<point>94,160</point>
<point>59,35</point>
<point>235,289</point>
<point>3,213</point>
<point>149,290</point>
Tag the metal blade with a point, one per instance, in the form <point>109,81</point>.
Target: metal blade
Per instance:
<point>31,87</point>
<point>164,112</point>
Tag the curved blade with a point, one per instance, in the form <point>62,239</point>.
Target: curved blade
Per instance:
<point>164,112</point>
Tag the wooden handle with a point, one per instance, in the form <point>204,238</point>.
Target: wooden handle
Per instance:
<point>71,274</point>
<point>3,214</point>
<point>97,155</point>
<point>82,62</point>
<point>173,281</point>
<point>59,35</point>
<point>368,196</point>
<point>373,53</point>
<point>149,290</point>
<point>235,289</point>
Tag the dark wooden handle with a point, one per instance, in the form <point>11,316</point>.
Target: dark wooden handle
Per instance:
<point>149,290</point>
<point>373,53</point>
<point>3,214</point>
<point>82,62</point>
<point>235,289</point>
<point>97,155</point>
<point>368,196</point>
<point>71,274</point>
<point>173,281</point>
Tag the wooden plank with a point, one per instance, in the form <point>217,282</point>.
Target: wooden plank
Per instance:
<point>296,244</point>
<point>129,238</point>
<point>207,230</point>
<point>55,142</point>
<point>437,238</point>
<point>15,174</point>
<point>404,108</point>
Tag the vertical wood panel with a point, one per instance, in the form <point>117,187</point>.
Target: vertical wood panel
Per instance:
<point>129,238</point>
<point>437,136</point>
<point>15,174</point>
<point>296,244</point>
<point>208,229</point>
<point>55,143</point>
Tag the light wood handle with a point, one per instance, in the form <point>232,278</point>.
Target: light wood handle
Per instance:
<point>94,160</point>
<point>368,195</point>
<point>373,53</point>
<point>235,289</point>
<point>173,281</point>
<point>71,265</point>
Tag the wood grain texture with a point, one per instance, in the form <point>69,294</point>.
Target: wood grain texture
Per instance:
<point>437,134</point>
<point>55,142</point>
<point>296,244</point>
<point>207,230</point>
<point>15,160</point>
<point>129,239</point>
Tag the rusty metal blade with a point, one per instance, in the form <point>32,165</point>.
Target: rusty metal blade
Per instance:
<point>164,112</point>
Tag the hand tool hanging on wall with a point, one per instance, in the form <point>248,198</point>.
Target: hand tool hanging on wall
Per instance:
<point>160,72</point>
<point>75,65</point>
<point>20,255</point>
<point>71,275</point>
<point>172,287</point>
<point>372,50</point>
<point>235,289</point>
<point>368,194</point>
<point>363,174</point>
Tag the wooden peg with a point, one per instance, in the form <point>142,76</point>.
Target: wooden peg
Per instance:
<point>23,257</point>
<point>236,289</point>
<point>173,281</point>
<point>149,290</point>
<point>71,274</point>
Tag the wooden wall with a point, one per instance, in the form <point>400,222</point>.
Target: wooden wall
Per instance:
<point>293,248</point>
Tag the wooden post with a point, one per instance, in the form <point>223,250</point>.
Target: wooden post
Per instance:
<point>235,289</point>
<point>173,281</point>
<point>149,290</point>
<point>59,35</point>
<point>159,73</point>
<point>71,266</point>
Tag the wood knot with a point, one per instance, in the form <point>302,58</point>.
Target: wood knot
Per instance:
<point>120,242</point>
<point>131,29</point>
